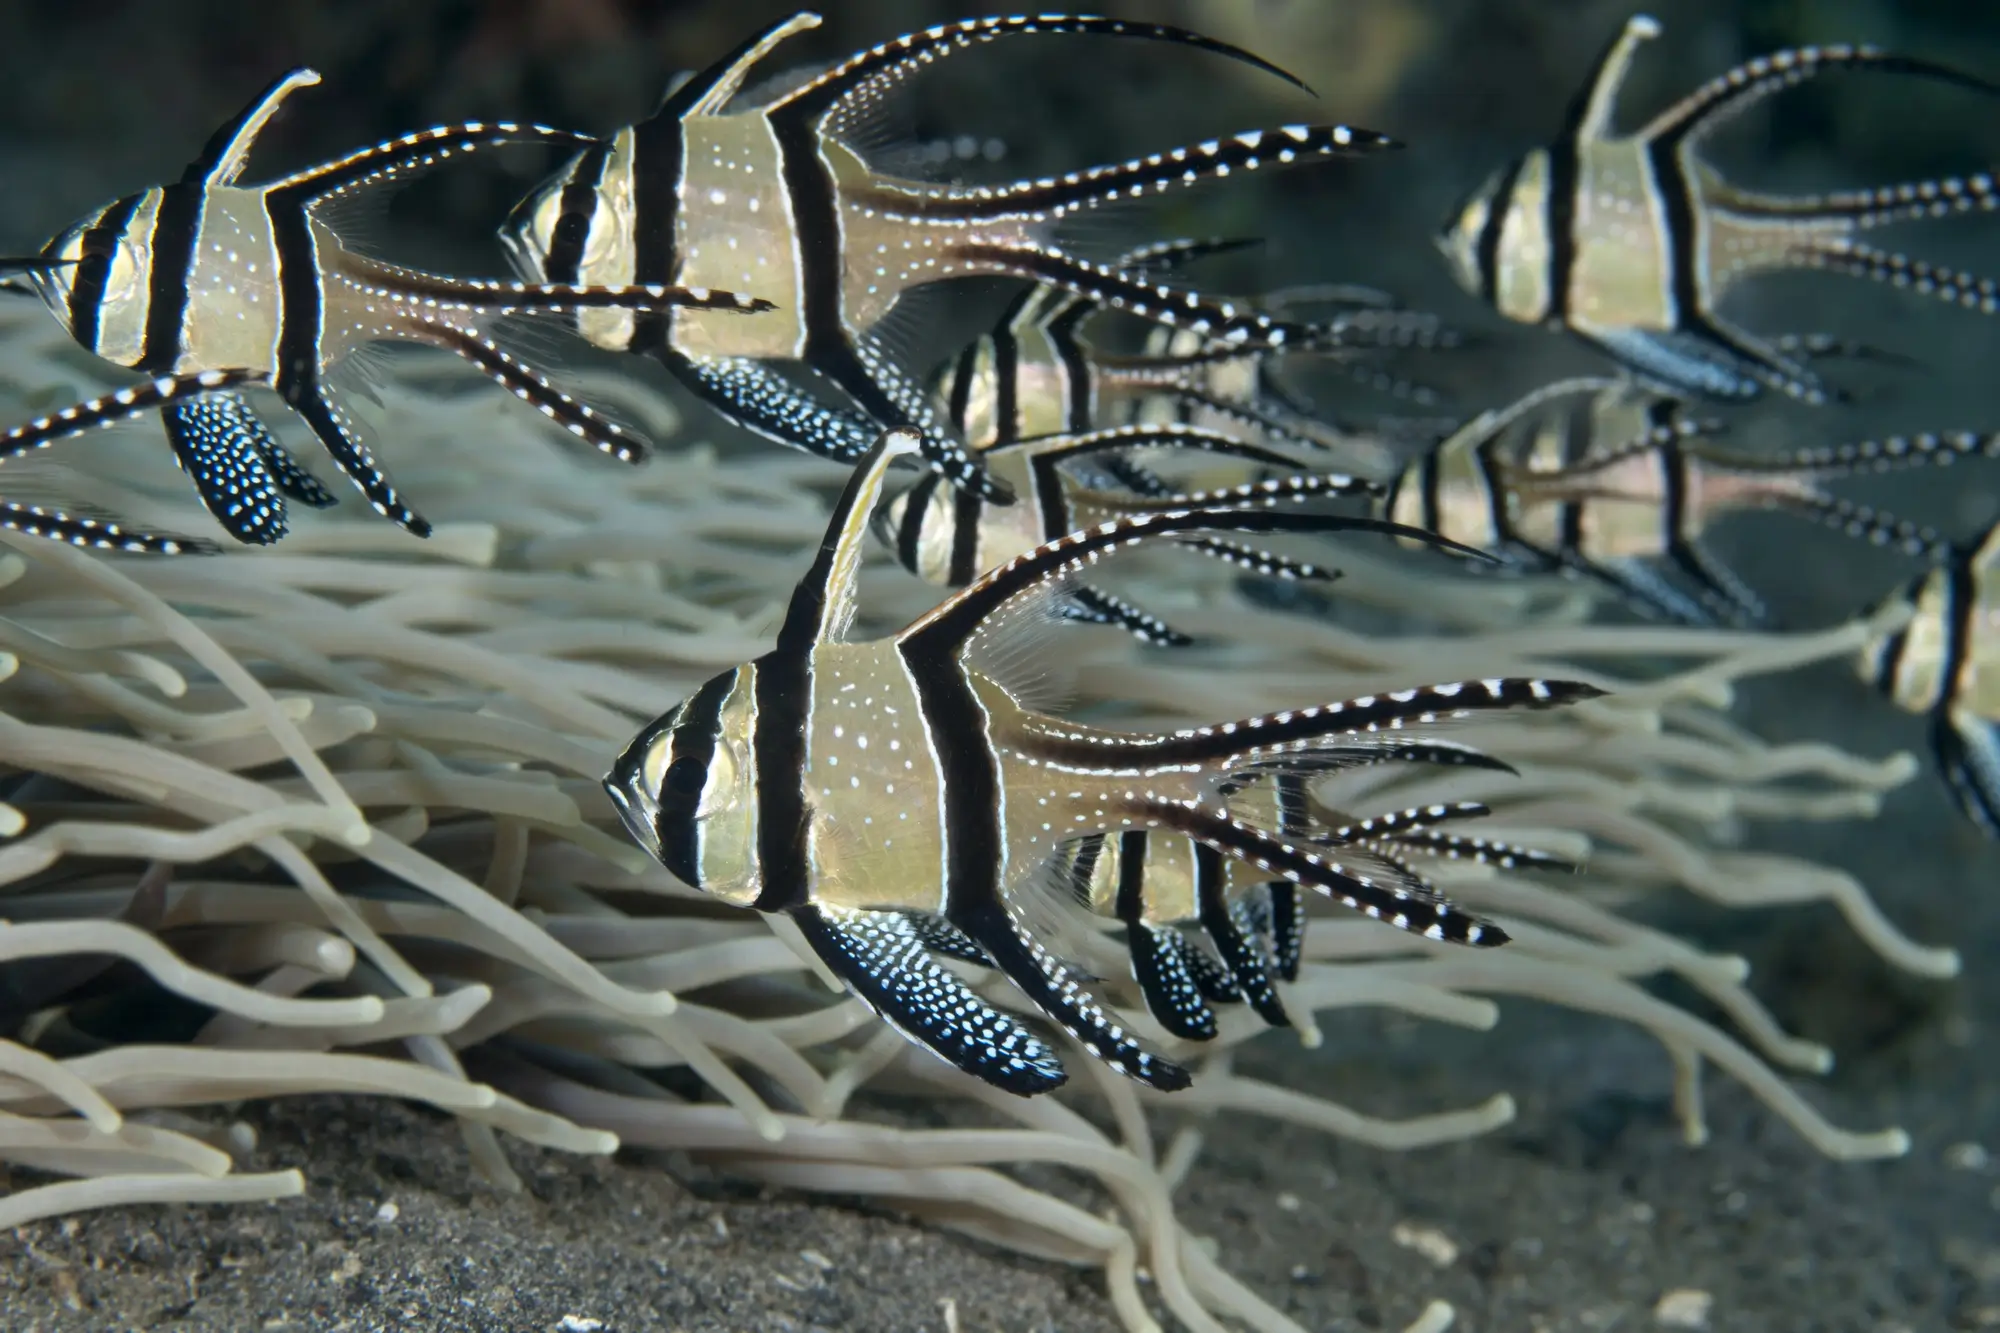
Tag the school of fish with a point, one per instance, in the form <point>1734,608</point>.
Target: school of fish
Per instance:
<point>917,806</point>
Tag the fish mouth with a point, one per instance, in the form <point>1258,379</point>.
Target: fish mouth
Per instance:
<point>638,811</point>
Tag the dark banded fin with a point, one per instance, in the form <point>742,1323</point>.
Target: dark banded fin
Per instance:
<point>1272,739</point>
<point>1176,307</point>
<point>858,84</point>
<point>1406,905</point>
<point>1486,851</point>
<point>1395,823</point>
<point>223,447</point>
<point>1057,196</point>
<point>404,156</point>
<point>1171,435</point>
<point>948,628</point>
<point>1703,362</point>
<point>1210,977</point>
<point>342,438</point>
<point>1265,564</point>
<point>939,936</point>
<point>1050,988</point>
<point>294,480</point>
<point>1286,909</point>
<point>1160,966</point>
<point>116,407</point>
<point>709,92</point>
<point>97,534</point>
<point>1812,346</point>
<point>1891,453</point>
<point>227,151</point>
<point>1165,256</point>
<point>880,958</point>
<point>1731,93</point>
<point>531,387</point>
<point>760,399</point>
<point>487,296</point>
<point>1863,522</point>
<point>1906,201</point>
<point>822,604</point>
<point>1897,270</point>
<point>1380,749</point>
<point>1094,606</point>
<point>1240,952</point>
<point>1968,754</point>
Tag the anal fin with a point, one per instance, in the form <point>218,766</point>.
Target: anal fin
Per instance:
<point>882,961</point>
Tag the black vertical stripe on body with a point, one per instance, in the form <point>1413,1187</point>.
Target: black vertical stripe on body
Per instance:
<point>575,209</point>
<point>1079,385</point>
<point>1676,197</point>
<point>969,802</point>
<point>1565,179</point>
<point>959,404</point>
<point>1130,904</point>
<point>1960,610</point>
<point>176,232</point>
<point>782,684</point>
<point>968,510</point>
<point>917,502</point>
<point>1006,387</point>
<point>301,295</point>
<point>1049,498</point>
<point>93,268</point>
<point>659,168</point>
<point>695,735</point>
<point>1487,249</point>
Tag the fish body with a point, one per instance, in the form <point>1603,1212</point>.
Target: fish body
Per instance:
<point>772,189</point>
<point>1632,241</point>
<point>857,787</point>
<point>1603,477</point>
<point>207,285</point>
<point>1944,664</point>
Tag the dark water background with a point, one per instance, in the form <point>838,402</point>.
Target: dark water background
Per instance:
<point>1581,1213</point>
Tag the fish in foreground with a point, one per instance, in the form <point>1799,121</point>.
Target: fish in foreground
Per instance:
<point>1153,884</point>
<point>1603,477</point>
<point>207,286</point>
<point>1068,482</point>
<point>1944,664</point>
<point>1632,241</point>
<point>846,784</point>
<point>723,187</point>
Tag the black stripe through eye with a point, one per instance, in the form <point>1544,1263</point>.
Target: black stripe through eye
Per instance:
<point>686,776</point>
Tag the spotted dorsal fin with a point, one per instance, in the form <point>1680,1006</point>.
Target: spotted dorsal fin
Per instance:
<point>1729,94</point>
<point>822,605</point>
<point>709,92</point>
<point>227,151</point>
<point>948,628</point>
<point>860,82</point>
<point>1591,115</point>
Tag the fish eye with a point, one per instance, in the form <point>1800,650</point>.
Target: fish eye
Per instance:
<point>686,776</point>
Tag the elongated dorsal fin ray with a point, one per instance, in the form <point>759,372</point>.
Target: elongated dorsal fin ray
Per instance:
<point>491,296</point>
<point>1165,256</point>
<point>227,152</point>
<point>822,605</point>
<point>881,958</point>
<point>1095,606</point>
<point>857,83</point>
<point>1731,93</point>
<point>410,153</point>
<point>1395,823</point>
<point>1590,116</point>
<point>1256,560</point>
<point>708,93</point>
<point>1866,523</point>
<point>1052,197</point>
<point>947,628</point>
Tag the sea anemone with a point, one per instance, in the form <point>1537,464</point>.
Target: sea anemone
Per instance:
<point>327,818</point>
